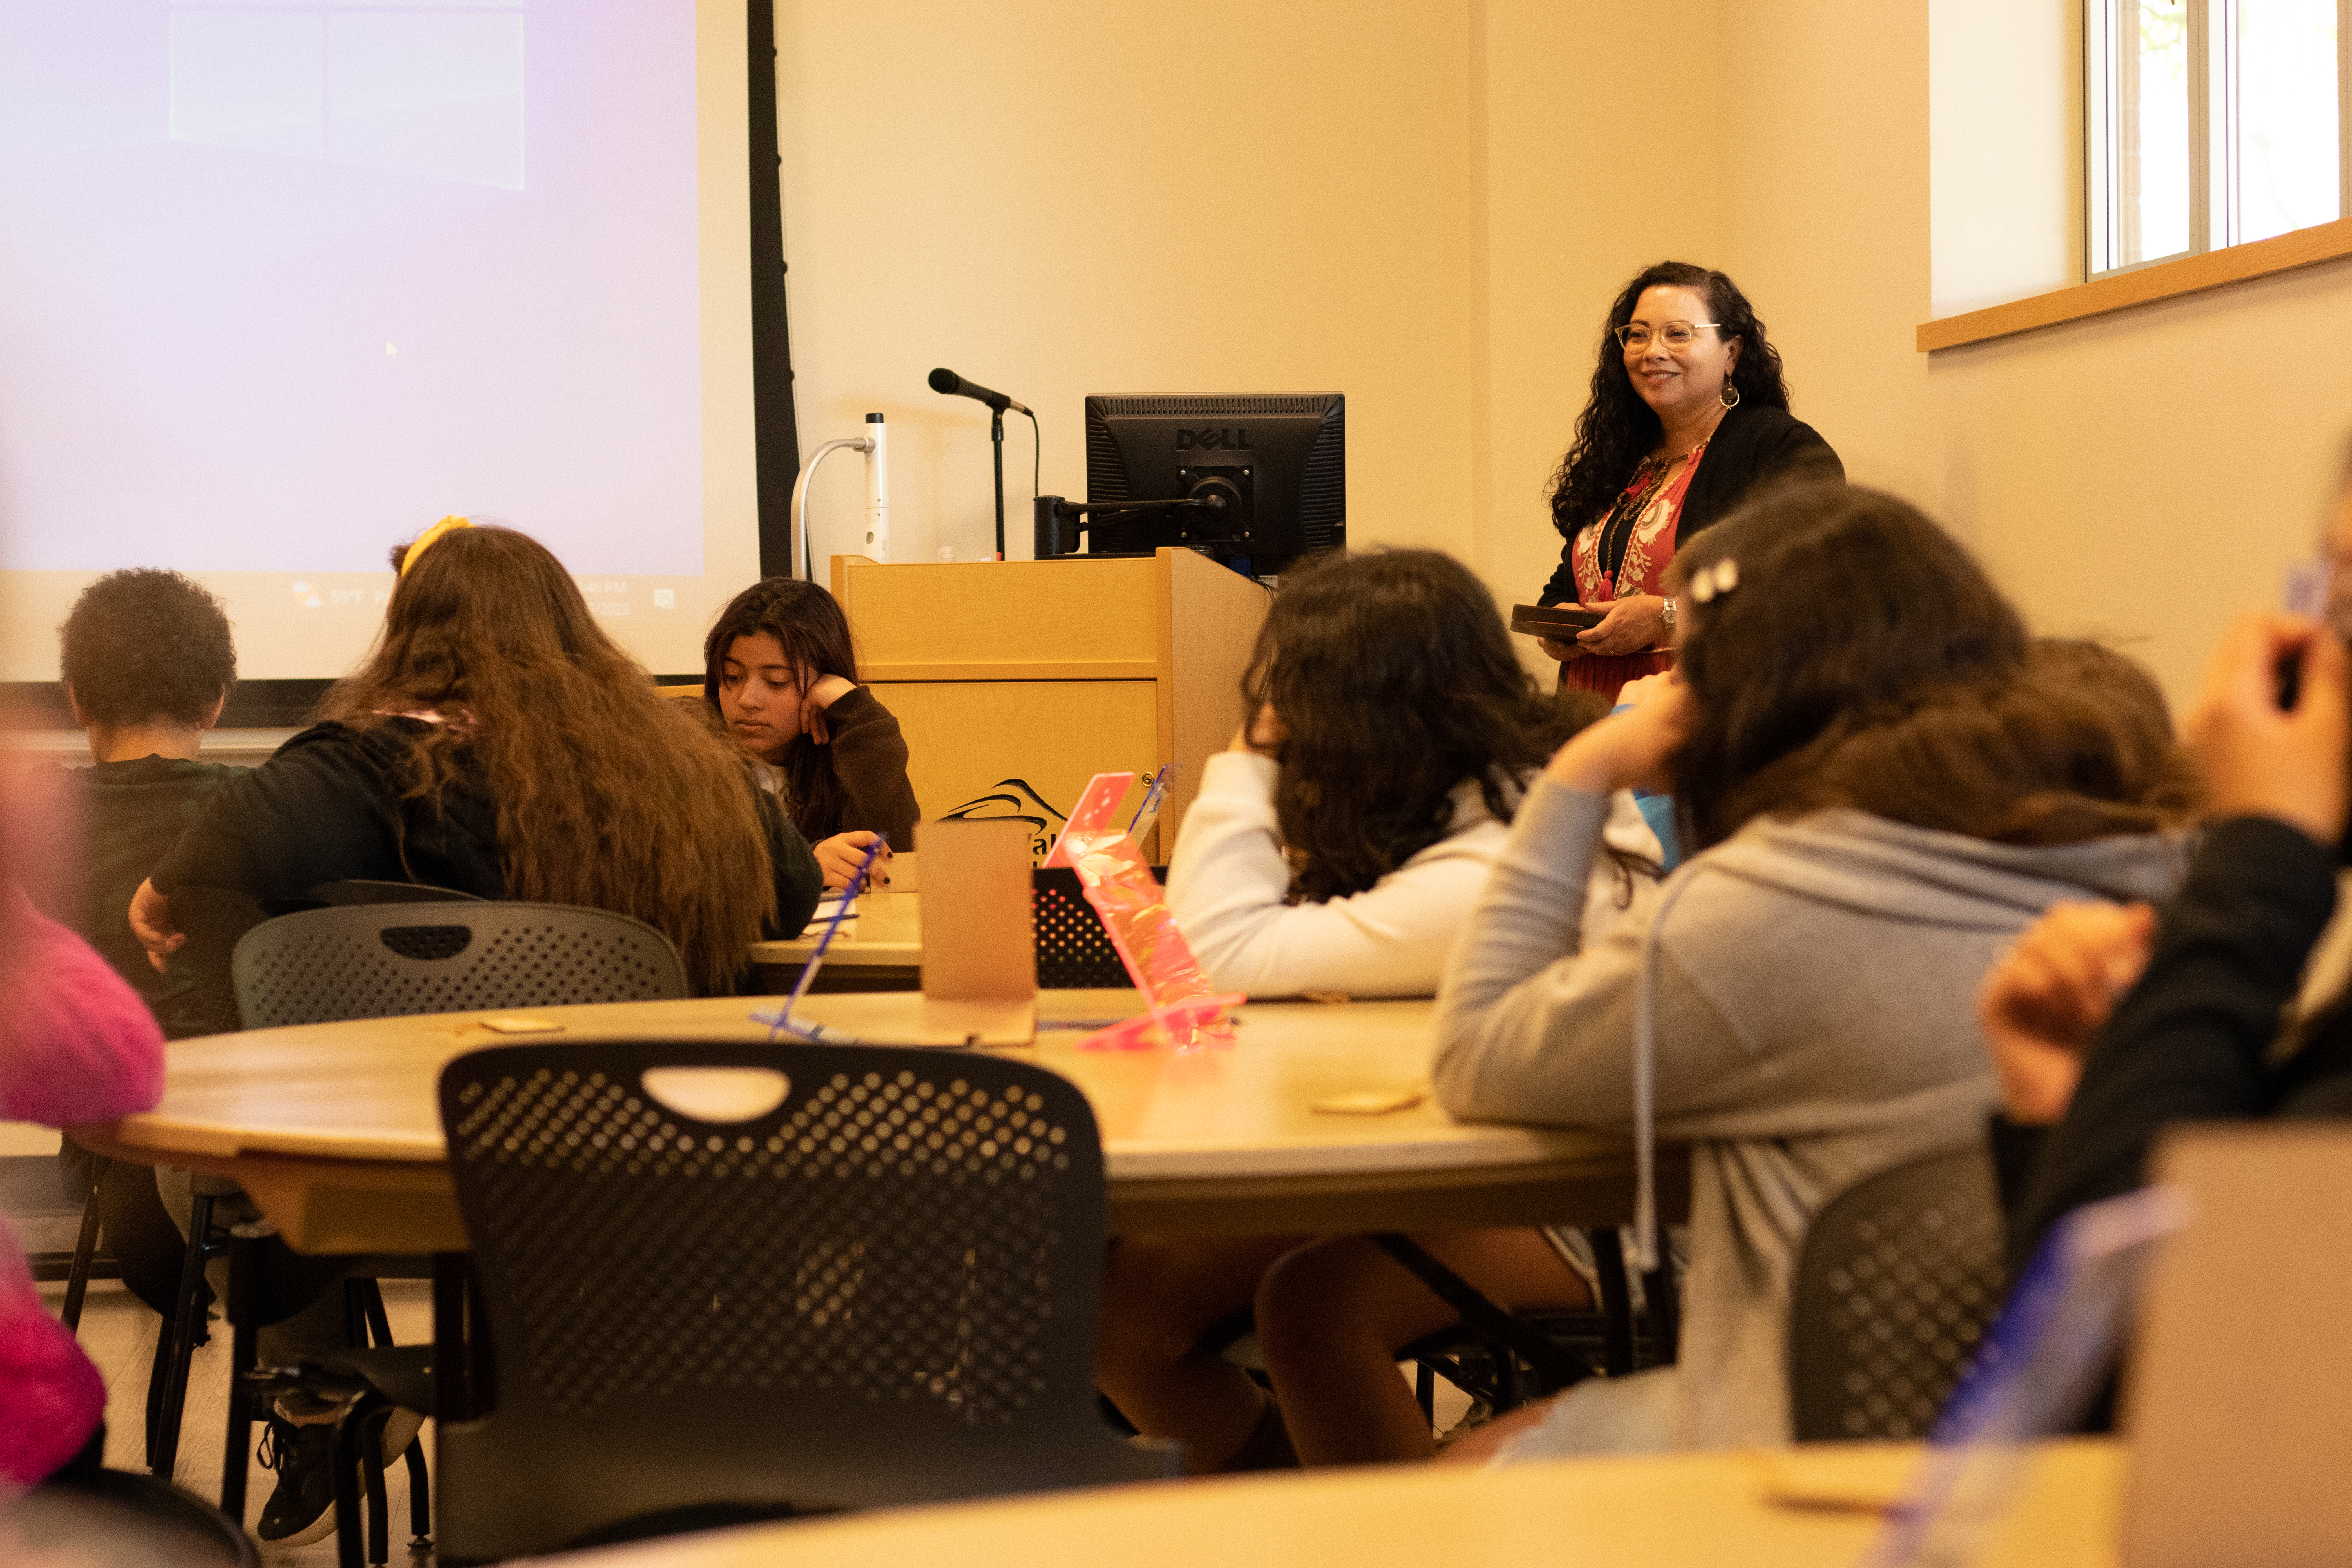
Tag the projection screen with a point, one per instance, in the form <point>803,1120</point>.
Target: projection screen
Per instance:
<point>281,283</point>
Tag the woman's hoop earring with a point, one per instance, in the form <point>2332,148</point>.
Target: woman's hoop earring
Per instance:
<point>1730,394</point>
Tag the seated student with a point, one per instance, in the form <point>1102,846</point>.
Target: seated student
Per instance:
<point>1875,800</point>
<point>496,741</point>
<point>2109,1021</point>
<point>779,670</point>
<point>147,663</point>
<point>1335,847</point>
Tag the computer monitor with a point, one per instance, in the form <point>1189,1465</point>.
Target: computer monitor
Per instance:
<point>1264,475</point>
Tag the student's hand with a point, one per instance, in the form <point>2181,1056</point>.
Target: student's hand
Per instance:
<point>838,856</point>
<point>1562,651</point>
<point>816,695</point>
<point>1629,750</point>
<point>151,924</point>
<point>2040,1005</point>
<point>1262,734</point>
<point>1629,625</point>
<point>2259,762</point>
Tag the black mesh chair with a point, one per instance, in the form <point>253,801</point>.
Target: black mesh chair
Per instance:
<point>1073,950</point>
<point>881,1290</point>
<point>394,957</point>
<point>378,961</point>
<point>1899,1279</point>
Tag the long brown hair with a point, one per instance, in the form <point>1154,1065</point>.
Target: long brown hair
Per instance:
<point>808,625</point>
<point>1394,681</point>
<point>2075,745</point>
<point>607,795</point>
<point>1863,658</point>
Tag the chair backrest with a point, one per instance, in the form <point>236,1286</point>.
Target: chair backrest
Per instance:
<point>880,1289</point>
<point>377,961</point>
<point>1073,950</point>
<point>214,920</point>
<point>1900,1276</point>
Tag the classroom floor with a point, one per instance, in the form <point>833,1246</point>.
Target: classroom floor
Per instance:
<point>119,1332</point>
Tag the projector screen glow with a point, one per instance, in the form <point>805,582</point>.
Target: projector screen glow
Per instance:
<point>281,283</point>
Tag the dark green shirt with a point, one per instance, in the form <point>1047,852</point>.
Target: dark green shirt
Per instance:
<point>132,813</point>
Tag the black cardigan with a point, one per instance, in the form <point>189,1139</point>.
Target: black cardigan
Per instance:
<point>325,808</point>
<point>2191,1042</point>
<point>1753,445</point>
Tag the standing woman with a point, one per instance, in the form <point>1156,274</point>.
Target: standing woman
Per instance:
<point>1688,416</point>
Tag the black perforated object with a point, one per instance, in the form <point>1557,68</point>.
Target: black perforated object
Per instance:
<point>1899,1279</point>
<point>379,960</point>
<point>215,921</point>
<point>1073,950</point>
<point>884,1290</point>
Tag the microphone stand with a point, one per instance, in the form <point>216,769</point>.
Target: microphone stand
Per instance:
<point>996,436</point>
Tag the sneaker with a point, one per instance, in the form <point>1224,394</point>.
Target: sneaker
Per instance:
<point>302,1508</point>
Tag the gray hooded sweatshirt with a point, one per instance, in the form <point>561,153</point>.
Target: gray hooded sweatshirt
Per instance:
<point>1810,991</point>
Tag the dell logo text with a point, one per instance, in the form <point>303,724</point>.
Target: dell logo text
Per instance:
<point>1214,440</point>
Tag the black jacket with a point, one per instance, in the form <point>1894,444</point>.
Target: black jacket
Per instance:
<point>1752,446</point>
<point>2191,1042</point>
<point>326,808</point>
<point>869,758</point>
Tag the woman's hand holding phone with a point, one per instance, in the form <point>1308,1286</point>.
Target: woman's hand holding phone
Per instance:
<point>2289,762</point>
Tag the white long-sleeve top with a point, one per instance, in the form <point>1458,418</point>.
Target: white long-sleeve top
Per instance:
<point>1228,877</point>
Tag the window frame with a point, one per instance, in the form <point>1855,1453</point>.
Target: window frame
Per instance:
<point>2214,175</point>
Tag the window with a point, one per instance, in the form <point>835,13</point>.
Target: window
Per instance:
<point>2212,122</point>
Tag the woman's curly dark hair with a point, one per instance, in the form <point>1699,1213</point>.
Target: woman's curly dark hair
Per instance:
<point>143,645</point>
<point>1617,429</point>
<point>1394,681</point>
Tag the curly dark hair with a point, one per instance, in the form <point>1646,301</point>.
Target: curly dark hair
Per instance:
<point>144,645</point>
<point>1394,681</point>
<point>808,625</point>
<point>1617,429</point>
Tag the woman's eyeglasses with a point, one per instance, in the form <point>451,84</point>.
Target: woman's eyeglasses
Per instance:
<point>1674,334</point>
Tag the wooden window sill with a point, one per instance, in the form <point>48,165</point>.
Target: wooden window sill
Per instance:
<point>2124,290</point>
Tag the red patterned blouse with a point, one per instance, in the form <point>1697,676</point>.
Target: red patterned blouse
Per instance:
<point>1645,516</point>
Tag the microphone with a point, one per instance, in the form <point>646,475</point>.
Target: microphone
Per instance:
<point>954,385</point>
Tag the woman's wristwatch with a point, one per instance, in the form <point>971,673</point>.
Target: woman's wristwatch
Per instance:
<point>1666,614</point>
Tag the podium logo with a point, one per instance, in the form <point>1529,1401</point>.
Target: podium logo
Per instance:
<point>1235,440</point>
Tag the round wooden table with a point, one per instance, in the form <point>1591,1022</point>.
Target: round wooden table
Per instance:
<point>333,1128</point>
<point>1773,1509</point>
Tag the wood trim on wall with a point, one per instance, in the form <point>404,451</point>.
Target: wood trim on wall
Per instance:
<point>2142,286</point>
<point>1034,669</point>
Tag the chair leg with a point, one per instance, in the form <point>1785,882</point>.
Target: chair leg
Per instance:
<point>1665,1312</point>
<point>245,1356</point>
<point>420,1497</point>
<point>379,1504</point>
<point>85,1248</point>
<point>164,1451</point>
<point>1424,1389</point>
<point>1616,1302</point>
<point>348,1434</point>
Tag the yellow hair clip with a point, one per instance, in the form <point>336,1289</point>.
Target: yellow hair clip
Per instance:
<point>429,536</point>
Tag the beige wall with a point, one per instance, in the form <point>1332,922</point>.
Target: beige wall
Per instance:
<point>1427,204</point>
<point>1064,197</point>
<point>2144,475</point>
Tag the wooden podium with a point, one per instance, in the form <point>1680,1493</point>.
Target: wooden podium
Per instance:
<point>1015,681</point>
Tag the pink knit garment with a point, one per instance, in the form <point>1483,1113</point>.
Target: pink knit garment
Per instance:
<point>76,1045</point>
